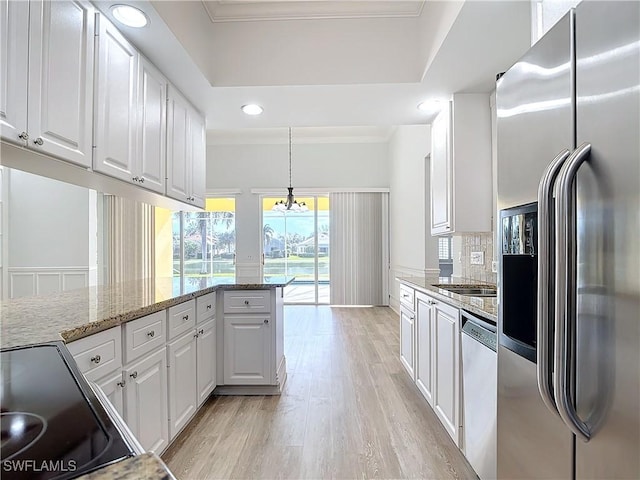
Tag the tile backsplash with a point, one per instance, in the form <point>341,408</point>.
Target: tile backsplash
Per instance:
<point>476,242</point>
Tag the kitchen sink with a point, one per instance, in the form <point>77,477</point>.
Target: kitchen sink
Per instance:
<point>469,290</point>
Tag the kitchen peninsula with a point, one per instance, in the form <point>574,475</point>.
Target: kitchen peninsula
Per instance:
<point>158,349</point>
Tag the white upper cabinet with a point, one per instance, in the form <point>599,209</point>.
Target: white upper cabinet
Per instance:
<point>152,136</point>
<point>461,185</point>
<point>186,151</point>
<point>50,109</point>
<point>116,103</point>
<point>14,51</point>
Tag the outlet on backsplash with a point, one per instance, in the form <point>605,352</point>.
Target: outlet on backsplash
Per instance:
<point>477,258</point>
<point>494,266</point>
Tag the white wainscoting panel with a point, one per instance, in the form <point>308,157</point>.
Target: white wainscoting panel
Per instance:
<point>30,281</point>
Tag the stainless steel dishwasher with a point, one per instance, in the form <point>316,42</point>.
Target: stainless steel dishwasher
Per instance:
<point>479,394</point>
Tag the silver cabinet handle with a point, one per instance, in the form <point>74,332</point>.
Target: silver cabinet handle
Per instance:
<point>196,336</point>
<point>404,295</point>
<point>201,331</point>
<point>186,317</point>
<point>545,255</point>
<point>151,334</point>
<point>209,307</point>
<point>141,179</point>
<point>565,324</point>
<point>135,179</point>
<point>96,359</point>
<point>23,136</point>
<point>246,302</point>
<point>39,141</point>
<point>121,384</point>
<point>134,374</point>
<point>412,318</point>
<point>266,321</point>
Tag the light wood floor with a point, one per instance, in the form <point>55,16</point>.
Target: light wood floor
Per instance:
<point>349,410</point>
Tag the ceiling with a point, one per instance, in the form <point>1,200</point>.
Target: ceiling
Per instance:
<point>328,63</point>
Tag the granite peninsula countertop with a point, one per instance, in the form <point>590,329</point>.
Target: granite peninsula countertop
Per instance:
<point>147,466</point>
<point>483,306</point>
<point>79,313</point>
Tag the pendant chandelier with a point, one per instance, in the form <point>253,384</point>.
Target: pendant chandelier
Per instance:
<point>290,204</point>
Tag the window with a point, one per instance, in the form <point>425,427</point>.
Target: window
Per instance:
<point>445,256</point>
<point>195,245</point>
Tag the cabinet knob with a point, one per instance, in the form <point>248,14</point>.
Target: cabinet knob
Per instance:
<point>96,359</point>
<point>141,179</point>
<point>134,375</point>
<point>135,179</point>
<point>23,136</point>
<point>246,302</point>
<point>201,331</point>
<point>186,317</point>
<point>266,321</point>
<point>121,384</point>
<point>39,141</point>
<point>196,336</point>
<point>151,334</point>
<point>209,307</point>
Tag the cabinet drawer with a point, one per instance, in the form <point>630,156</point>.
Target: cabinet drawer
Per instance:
<point>245,301</point>
<point>144,335</point>
<point>182,318</point>
<point>206,307</point>
<point>99,354</point>
<point>407,296</point>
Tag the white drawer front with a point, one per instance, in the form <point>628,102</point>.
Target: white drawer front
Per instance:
<point>247,301</point>
<point>98,354</point>
<point>407,296</point>
<point>182,318</point>
<point>206,307</point>
<point>144,335</point>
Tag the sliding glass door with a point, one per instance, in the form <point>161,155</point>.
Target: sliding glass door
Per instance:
<point>297,244</point>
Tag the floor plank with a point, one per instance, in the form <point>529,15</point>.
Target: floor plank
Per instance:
<point>349,410</point>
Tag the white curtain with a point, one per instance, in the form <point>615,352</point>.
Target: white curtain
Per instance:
<point>359,239</point>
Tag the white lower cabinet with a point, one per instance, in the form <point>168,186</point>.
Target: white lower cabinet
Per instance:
<point>447,367</point>
<point>182,381</point>
<point>113,387</point>
<point>425,346</point>
<point>430,345</point>
<point>407,340</point>
<point>206,360</point>
<point>146,401</point>
<point>247,349</point>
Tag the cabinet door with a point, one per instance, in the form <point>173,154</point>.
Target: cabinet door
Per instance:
<point>247,350</point>
<point>198,159</point>
<point>182,381</point>
<point>113,387</point>
<point>178,147</point>
<point>152,122</point>
<point>441,180</point>
<point>206,363</point>
<point>60,113</point>
<point>14,51</point>
<point>116,103</point>
<point>424,346</point>
<point>447,367</point>
<point>407,318</point>
<point>146,401</point>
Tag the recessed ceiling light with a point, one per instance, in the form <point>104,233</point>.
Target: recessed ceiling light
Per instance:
<point>252,109</point>
<point>429,106</point>
<point>129,16</point>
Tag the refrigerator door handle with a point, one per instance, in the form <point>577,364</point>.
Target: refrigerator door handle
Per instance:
<point>565,280</point>
<point>545,255</point>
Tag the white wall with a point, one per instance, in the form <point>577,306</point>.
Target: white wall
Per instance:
<point>265,166</point>
<point>413,251</point>
<point>48,235</point>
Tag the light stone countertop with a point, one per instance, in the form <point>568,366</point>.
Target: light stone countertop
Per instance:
<point>483,306</point>
<point>78,313</point>
<point>147,466</point>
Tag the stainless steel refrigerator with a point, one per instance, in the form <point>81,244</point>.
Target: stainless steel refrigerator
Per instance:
<point>568,126</point>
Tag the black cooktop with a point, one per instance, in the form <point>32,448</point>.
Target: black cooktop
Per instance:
<point>53,425</point>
